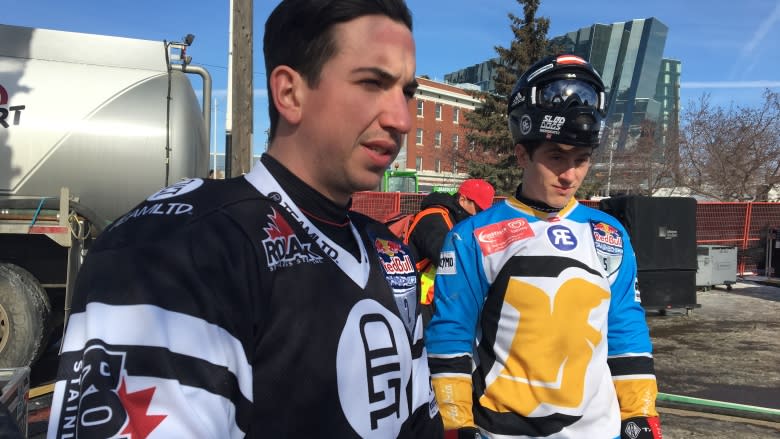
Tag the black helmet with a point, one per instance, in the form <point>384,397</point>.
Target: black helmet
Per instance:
<point>559,99</point>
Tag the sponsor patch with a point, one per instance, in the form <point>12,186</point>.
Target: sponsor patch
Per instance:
<point>446,263</point>
<point>177,189</point>
<point>562,238</point>
<point>282,246</point>
<point>519,99</point>
<point>637,295</point>
<point>632,430</point>
<point>525,124</point>
<point>607,239</point>
<point>552,125</point>
<point>99,403</point>
<point>167,209</point>
<point>395,259</point>
<point>497,237</point>
<point>608,243</point>
<point>401,275</point>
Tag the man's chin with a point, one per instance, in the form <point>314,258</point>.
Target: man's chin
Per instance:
<point>370,182</point>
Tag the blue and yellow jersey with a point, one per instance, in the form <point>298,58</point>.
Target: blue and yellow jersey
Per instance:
<point>539,330</point>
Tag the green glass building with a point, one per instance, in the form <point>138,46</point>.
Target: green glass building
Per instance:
<point>642,86</point>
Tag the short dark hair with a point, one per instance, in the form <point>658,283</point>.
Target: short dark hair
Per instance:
<point>530,147</point>
<point>299,34</point>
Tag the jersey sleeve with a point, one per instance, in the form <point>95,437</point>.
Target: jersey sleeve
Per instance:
<point>460,287</point>
<point>152,347</point>
<point>630,356</point>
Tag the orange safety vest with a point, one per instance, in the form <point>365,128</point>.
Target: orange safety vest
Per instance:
<point>424,267</point>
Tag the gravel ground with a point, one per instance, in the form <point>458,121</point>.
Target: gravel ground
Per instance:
<point>726,350</point>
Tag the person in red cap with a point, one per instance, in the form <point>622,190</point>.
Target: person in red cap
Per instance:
<point>440,211</point>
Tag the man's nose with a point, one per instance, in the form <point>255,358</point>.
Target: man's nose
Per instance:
<point>568,173</point>
<point>395,113</point>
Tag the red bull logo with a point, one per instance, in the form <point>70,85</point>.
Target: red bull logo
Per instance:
<point>607,238</point>
<point>389,248</point>
<point>607,234</point>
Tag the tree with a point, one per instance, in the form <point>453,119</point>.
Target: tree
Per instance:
<point>731,154</point>
<point>488,129</point>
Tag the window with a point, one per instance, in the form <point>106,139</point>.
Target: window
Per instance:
<point>419,108</point>
<point>455,141</point>
<point>419,136</point>
<point>438,165</point>
<point>455,114</point>
<point>437,139</point>
<point>418,164</point>
<point>472,146</point>
<point>438,111</point>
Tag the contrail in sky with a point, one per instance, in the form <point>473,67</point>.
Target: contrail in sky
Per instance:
<point>747,61</point>
<point>762,31</point>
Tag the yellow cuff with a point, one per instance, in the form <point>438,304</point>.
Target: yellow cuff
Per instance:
<point>454,397</point>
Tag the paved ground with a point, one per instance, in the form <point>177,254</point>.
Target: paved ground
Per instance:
<point>726,350</point>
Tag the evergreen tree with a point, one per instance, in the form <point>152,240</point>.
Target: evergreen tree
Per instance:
<point>488,129</point>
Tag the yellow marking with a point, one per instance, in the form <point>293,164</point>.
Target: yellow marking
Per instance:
<point>453,394</point>
<point>41,390</point>
<point>636,397</point>
<point>551,349</point>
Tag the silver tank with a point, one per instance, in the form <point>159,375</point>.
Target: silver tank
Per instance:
<point>103,116</point>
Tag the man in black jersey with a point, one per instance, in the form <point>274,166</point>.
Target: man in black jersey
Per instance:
<point>261,306</point>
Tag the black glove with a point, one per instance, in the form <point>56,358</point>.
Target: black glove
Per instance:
<point>641,428</point>
<point>463,433</point>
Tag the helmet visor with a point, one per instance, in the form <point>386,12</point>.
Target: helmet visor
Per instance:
<point>565,93</point>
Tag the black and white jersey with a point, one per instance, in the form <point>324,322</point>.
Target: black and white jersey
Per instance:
<point>216,309</point>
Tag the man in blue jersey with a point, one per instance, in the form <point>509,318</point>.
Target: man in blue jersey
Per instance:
<point>538,329</point>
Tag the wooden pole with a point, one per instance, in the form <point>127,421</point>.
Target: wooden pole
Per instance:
<point>242,86</point>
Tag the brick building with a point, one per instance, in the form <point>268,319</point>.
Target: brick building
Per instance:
<point>438,130</point>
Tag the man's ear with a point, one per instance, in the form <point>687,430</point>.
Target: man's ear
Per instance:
<point>287,93</point>
<point>522,156</point>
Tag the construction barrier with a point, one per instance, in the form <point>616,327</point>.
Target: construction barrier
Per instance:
<point>741,225</point>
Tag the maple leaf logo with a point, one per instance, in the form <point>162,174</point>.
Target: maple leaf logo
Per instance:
<point>139,424</point>
<point>278,227</point>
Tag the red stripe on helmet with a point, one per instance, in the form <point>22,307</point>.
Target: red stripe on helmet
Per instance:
<point>570,59</point>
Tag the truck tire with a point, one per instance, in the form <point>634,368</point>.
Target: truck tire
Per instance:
<point>24,316</point>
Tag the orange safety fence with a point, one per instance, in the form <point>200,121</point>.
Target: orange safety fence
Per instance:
<point>741,225</point>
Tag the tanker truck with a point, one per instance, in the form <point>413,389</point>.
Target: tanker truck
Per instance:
<point>89,126</point>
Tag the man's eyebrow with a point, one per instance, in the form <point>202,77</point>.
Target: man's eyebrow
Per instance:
<point>384,74</point>
<point>410,86</point>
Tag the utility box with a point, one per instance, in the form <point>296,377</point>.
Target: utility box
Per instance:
<point>15,389</point>
<point>717,265</point>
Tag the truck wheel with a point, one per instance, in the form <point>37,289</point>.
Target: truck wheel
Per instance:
<point>24,314</point>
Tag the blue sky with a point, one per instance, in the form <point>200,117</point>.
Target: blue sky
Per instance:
<point>728,49</point>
